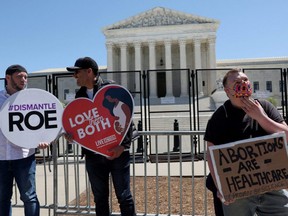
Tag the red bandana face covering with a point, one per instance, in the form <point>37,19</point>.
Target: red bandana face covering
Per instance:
<point>242,89</point>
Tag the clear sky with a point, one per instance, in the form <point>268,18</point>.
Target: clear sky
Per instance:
<point>42,34</point>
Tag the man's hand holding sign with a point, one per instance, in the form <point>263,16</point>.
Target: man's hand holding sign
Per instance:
<point>94,124</point>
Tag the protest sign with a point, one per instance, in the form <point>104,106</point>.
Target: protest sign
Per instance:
<point>31,116</point>
<point>102,123</point>
<point>252,166</point>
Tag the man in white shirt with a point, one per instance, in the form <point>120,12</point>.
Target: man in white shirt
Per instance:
<point>16,162</point>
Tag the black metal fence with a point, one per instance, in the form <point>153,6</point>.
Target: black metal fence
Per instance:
<point>189,106</point>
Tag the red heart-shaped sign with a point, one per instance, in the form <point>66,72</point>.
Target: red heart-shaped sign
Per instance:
<point>102,123</point>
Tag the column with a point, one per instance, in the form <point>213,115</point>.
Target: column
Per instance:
<point>197,51</point>
<point>168,64</point>
<point>138,67</point>
<point>183,65</point>
<point>123,56</point>
<point>109,47</point>
<point>152,66</point>
<point>198,63</point>
<point>212,52</point>
<point>212,64</point>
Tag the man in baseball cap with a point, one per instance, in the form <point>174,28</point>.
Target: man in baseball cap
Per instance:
<point>85,70</point>
<point>100,167</point>
<point>84,63</point>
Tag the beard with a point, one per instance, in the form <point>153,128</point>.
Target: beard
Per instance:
<point>17,86</point>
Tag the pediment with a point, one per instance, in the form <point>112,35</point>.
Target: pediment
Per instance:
<point>160,16</point>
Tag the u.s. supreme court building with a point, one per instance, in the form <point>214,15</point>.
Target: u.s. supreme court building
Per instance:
<point>167,45</point>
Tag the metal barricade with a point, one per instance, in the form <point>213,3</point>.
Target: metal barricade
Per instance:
<point>44,184</point>
<point>163,182</point>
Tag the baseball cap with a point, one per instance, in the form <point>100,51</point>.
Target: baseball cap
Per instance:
<point>83,63</point>
<point>15,68</point>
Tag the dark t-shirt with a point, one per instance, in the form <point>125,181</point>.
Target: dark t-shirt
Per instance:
<point>229,124</point>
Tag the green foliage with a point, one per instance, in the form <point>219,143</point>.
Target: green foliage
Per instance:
<point>273,101</point>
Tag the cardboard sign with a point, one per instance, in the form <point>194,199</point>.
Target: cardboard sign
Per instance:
<point>102,123</point>
<point>252,166</point>
<point>31,116</point>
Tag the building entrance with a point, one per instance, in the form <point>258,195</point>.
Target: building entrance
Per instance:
<point>161,84</point>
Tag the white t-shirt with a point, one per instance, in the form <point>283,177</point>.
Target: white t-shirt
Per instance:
<point>90,93</point>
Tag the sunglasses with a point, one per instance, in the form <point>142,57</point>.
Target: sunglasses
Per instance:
<point>78,71</point>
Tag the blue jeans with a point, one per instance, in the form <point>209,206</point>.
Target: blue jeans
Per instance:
<point>99,168</point>
<point>273,203</point>
<point>23,171</point>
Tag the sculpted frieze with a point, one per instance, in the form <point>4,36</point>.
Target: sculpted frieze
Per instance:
<point>160,17</point>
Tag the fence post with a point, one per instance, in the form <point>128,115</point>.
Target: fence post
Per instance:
<point>140,139</point>
<point>176,137</point>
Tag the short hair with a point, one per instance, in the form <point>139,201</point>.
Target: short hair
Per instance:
<point>225,78</point>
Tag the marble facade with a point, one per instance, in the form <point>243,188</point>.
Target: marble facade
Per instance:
<point>161,38</point>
